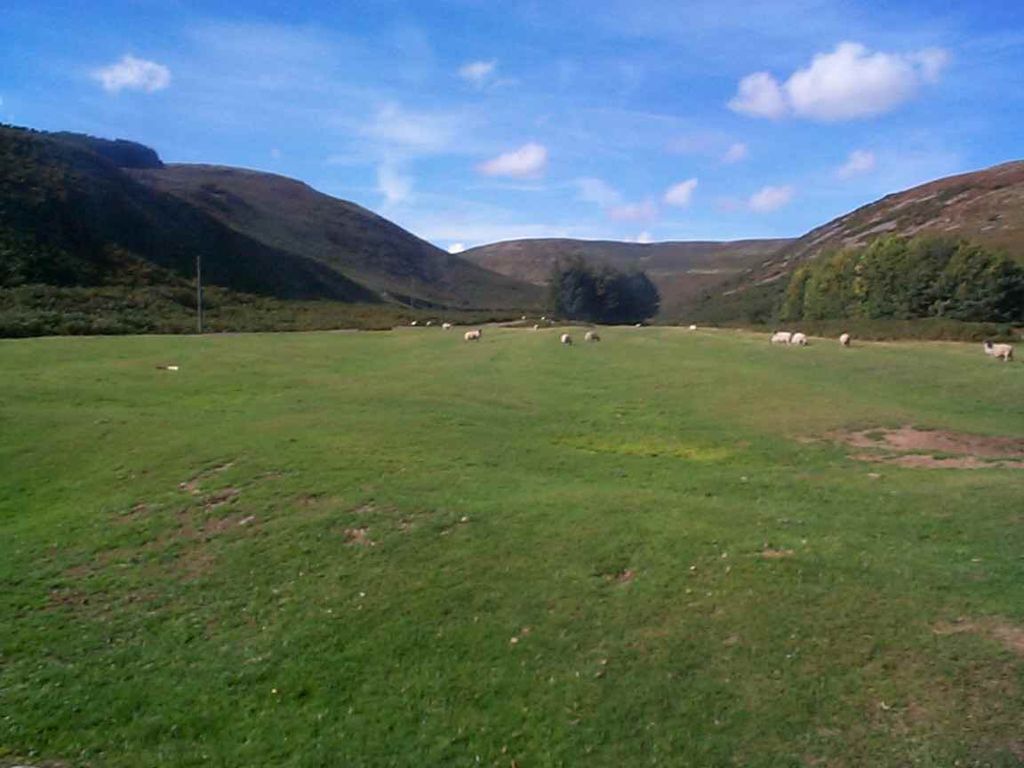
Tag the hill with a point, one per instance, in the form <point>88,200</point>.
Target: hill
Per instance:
<point>77,211</point>
<point>682,271</point>
<point>985,207</point>
<point>291,216</point>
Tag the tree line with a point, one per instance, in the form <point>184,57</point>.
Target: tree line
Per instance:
<point>579,291</point>
<point>900,278</point>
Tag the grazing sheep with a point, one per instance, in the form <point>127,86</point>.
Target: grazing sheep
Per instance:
<point>639,325</point>
<point>566,338</point>
<point>1002,352</point>
<point>799,339</point>
<point>543,317</point>
<point>429,323</point>
<point>536,327</point>
<point>446,326</point>
<point>781,337</point>
<point>414,323</point>
<point>523,317</point>
<point>844,340</point>
<point>473,335</point>
<point>591,336</point>
<point>693,327</point>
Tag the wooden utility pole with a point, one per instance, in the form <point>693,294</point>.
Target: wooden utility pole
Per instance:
<point>199,294</point>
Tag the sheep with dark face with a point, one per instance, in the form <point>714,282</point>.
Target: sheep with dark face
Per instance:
<point>591,336</point>
<point>473,335</point>
<point>800,339</point>
<point>781,337</point>
<point>566,338</point>
<point>844,340</point>
<point>1002,352</point>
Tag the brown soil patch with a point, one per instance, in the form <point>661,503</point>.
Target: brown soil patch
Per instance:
<point>218,498</point>
<point>359,537</point>
<point>1010,636</point>
<point>908,438</point>
<point>192,484</point>
<point>916,448</point>
<point>776,554</point>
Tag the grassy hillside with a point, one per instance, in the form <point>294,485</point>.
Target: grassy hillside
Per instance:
<point>71,216</point>
<point>985,207</point>
<point>398,549</point>
<point>286,214</point>
<point>77,211</point>
<point>682,271</point>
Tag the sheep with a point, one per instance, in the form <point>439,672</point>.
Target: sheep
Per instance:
<point>566,338</point>
<point>639,325</point>
<point>473,335</point>
<point>429,323</point>
<point>799,339</point>
<point>536,327</point>
<point>693,327</point>
<point>1002,352</point>
<point>781,337</point>
<point>591,336</point>
<point>446,326</point>
<point>844,340</point>
<point>414,323</point>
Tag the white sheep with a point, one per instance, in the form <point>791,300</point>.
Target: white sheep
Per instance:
<point>535,326</point>
<point>781,337</point>
<point>414,323</point>
<point>566,338</point>
<point>429,323</point>
<point>799,339</point>
<point>693,327</point>
<point>1002,352</point>
<point>844,339</point>
<point>446,326</point>
<point>591,336</point>
<point>473,335</point>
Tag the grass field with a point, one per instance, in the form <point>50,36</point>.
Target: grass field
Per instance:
<point>367,549</point>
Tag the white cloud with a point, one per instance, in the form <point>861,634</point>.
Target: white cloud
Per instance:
<point>456,248</point>
<point>420,131</point>
<point>848,83</point>
<point>680,194</point>
<point>478,73</point>
<point>645,211</point>
<point>393,185</point>
<point>598,192</point>
<point>134,75</point>
<point>759,95</point>
<point>735,153</point>
<point>770,198</point>
<point>860,161</point>
<point>644,237</point>
<point>529,161</point>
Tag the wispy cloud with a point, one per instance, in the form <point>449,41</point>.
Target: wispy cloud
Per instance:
<point>528,161</point>
<point>478,73</point>
<point>133,74</point>
<point>645,211</point>
<point>770,198</point>
<point>848,83</point>
<point>598,192</point>
<point>395,186</point>
<point>859,162</point>
<point>680,195</point>
<point>736,153</point>
<point>410,130</point>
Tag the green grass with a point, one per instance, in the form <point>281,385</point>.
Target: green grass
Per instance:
<point>605,505</point>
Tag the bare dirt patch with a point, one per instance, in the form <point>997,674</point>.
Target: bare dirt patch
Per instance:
<point>776,554</point>
<point>359,537</point>
<point>1009,635</point>
<point>192,484</point>
<point>908,446</point>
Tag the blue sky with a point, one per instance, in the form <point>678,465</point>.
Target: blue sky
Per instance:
<point>471,121</point>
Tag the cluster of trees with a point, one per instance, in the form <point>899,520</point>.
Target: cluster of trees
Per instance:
<point>902,278</point>
<point>601,294</point>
